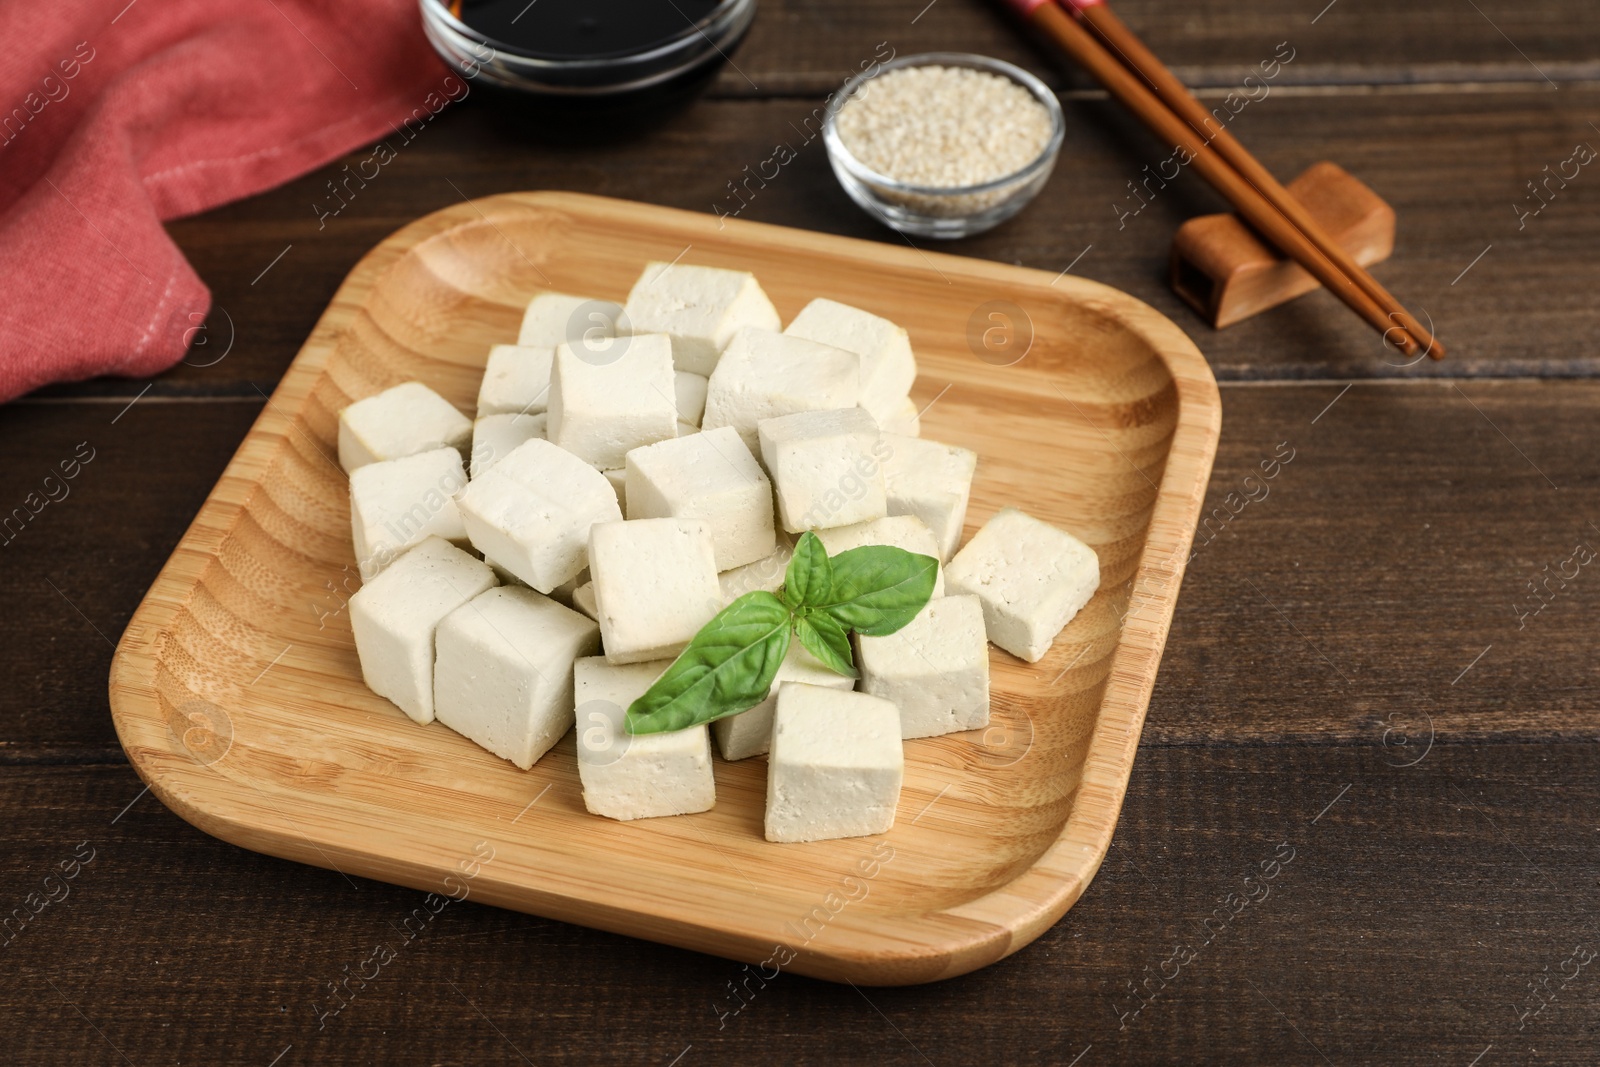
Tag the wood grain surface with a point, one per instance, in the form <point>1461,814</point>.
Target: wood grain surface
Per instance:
<point>1426,904</point>
<point>1454,199</point>
<point>805,45</point>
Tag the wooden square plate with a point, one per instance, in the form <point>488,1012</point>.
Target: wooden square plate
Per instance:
<point>238,698</point>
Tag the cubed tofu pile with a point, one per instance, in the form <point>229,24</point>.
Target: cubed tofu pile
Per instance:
<point>632,470</point>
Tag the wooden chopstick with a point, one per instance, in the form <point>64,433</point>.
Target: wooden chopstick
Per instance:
<point>1055,24</point>
<point>1134,55</point>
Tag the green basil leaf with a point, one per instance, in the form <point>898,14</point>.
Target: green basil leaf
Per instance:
<point>810,575</point>
<point>877,589</point>
<point>823,637</point>
<point>727,668</point>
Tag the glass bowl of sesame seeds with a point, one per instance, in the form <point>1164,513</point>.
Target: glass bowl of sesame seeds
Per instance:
<point>944,144</point>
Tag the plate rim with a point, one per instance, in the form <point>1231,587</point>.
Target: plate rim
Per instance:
<point>977,932</point>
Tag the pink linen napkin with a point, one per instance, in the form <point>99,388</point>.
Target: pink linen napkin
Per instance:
<point>115,116</point>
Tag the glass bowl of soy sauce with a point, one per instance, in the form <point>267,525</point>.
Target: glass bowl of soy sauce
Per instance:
<point>576,57</point>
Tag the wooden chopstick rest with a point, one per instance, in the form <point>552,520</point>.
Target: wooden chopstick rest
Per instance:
<point>1223,269</point>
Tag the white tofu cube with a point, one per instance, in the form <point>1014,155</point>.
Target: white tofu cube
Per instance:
<point>619,485</point>
<point>516,381</point>
<point>556,318</point>
<point>765,574</point>
<point>825,467</point>
<point>603,407</point>
<point>655,585</point>
<point>931,481</point>
<point>904,419</point>
<point>700,308</point>
<point>749,733</point>
<point>764,374</point>
<point>583,600</point>
<point>531,512</point>
<point>561,594</point>
<point>691,396</point>
<point>568,589</point>
<point>1030,577</point>
<point>897,531</point>
<point>502,673</point>
<point>935,669</point>
<point>394,618</point>
<point>494,436</point>
<point>505,577</point>
<point>635,776</point>
<point>710,476</point>
<point>397,503</point>
<point>400,422</point>
<point>836,765</point>
<point>888,368</point>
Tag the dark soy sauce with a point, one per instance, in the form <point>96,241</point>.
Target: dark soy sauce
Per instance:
<point>578,29</point>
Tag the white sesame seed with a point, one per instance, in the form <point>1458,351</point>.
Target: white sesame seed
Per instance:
<point>943,127</point>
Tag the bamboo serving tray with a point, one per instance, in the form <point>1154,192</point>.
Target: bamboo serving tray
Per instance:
<point>238,698</point>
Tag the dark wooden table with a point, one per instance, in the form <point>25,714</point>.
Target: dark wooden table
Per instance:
<point>1359,677</point>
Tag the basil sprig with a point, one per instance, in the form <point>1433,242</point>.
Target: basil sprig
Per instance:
<point>730,664</point>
